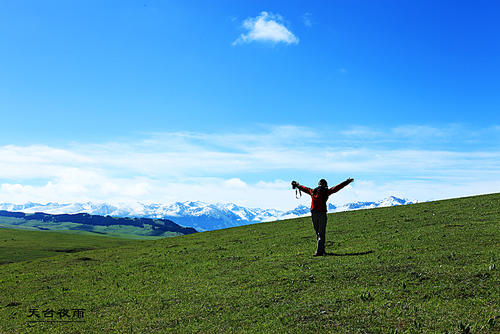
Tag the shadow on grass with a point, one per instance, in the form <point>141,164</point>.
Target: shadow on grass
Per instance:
<point>70,250</point>
<point>349,254</point>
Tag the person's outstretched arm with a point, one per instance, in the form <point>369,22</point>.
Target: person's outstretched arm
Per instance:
<point>305,189</point>
<point>339,186</point>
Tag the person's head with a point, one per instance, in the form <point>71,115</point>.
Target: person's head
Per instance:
<point>322,183</point>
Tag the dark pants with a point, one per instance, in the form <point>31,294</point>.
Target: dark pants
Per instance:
<point>319,223</point>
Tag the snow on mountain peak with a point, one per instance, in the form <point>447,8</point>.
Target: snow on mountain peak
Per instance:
<point>202,216</point>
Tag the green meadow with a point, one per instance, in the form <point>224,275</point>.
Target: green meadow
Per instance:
<point>423,268</point>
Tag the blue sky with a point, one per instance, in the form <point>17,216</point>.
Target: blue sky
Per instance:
<point>228,101</point>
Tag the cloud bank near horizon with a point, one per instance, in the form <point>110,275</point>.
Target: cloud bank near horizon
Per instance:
<point>254,168</point>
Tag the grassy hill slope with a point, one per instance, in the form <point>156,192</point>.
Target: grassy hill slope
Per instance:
<point>418,268</point>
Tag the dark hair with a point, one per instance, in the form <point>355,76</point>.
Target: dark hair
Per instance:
<point>321,188</point>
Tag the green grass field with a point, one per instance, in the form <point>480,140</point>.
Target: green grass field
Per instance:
<point>16,245</point>
<point>424,268</point>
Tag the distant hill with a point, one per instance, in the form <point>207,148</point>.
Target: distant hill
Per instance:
<point>113,226</point>
<point>199,215</point>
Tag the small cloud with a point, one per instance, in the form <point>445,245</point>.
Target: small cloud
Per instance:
<point>419,131</point>
<point>266,27</point>
<point>307,19</point>
<point>360,131</point>
<point>342,70</point>
<point>235,183</point>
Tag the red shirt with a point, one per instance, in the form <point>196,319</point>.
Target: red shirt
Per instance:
<point>320,195</point>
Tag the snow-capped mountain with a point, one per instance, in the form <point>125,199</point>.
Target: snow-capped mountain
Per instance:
<point>202,216</point>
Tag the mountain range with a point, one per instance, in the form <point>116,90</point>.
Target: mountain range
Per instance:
<point>199,215</point>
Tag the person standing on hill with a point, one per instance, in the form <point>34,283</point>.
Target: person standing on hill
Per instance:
<point>319,196</point>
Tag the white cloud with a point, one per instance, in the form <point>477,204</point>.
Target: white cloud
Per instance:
<point>404,132</point>
<point>266,27</point>
<point>235,183</point>
<point>251,168</point>
<point>361,131</point>
<point>421,131</point>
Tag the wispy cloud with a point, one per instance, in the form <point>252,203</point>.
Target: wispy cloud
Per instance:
<point>307,19</point>
<point>361,132</point>
<point>165,167</point>
<point>454,137</point>
<point>267,27</point>
<point>423,131</point>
